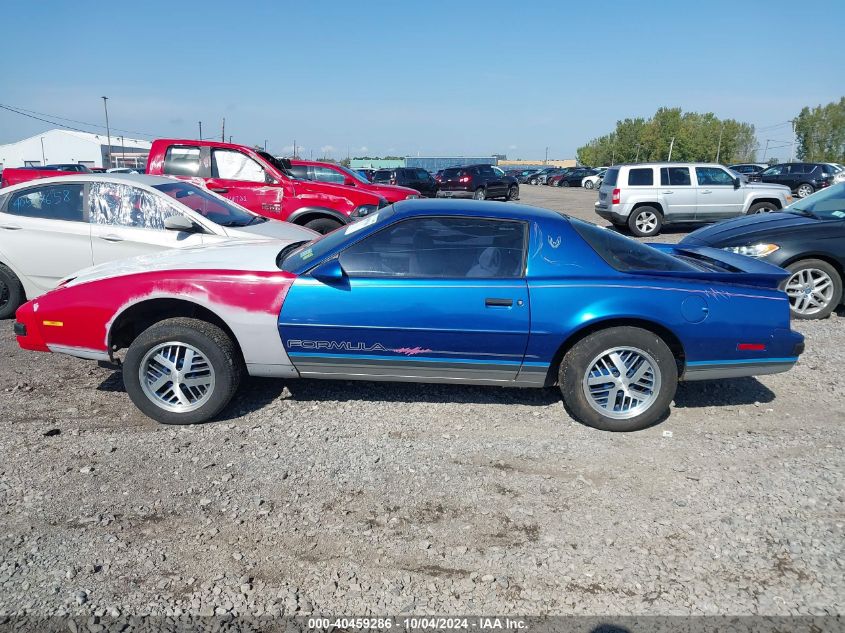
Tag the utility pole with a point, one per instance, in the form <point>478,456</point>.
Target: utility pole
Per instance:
<point>223,131</point>
<point>43,159</point>
<point>719,147</point>
<point>792,151</point>
<point>671,147</point>
<point>637,159</point>
<point>200,122</point>
<point>545,162</point>
<point>294,149</point>
<point>108,132</point>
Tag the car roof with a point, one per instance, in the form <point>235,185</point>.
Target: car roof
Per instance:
<point>129,179</point>
<point>472,208</point>
<point>669,164</point>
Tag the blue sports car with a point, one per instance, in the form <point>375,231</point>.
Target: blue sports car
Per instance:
<point>428,291</point>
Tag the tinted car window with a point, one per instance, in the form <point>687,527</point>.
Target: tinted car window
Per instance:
<point>677,176</point>
<point>299,171</point>
<point>611,176</point>
<point>640,177</point>
<point>382,175</point>
<point>182,161</point>
<point>626,254</point>
<point>774,170</point>
<point>327,174</point>
<point>440,247</point>
<point>51,202</point>
<point>713,176</point>
<point>422,174</point>
<point>451,174</point>
<point>828,204</point>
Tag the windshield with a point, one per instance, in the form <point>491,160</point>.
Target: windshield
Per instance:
<point>314,251</point>
<point>211,207</point>
<point>354,174</point>
<point>827,204</point>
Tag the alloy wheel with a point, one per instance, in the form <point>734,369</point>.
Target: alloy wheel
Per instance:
<point>804,191</point>
<point>810,291</point>
<point>622,382</point>
<point>646,221</point>
<point>176,377</point>
<point>588,184</point>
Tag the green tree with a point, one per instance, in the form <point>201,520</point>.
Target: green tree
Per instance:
<point>820,133</point>
<point>690,135</point>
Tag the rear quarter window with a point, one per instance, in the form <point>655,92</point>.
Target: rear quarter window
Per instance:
<point>640,177</point>
<point>626,254</point>
<point>611,176</point>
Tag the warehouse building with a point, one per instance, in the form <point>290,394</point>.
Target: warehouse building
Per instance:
<point>436,163</point>
<point>69,146</point>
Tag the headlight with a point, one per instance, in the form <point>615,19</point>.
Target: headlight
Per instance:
<point>413,196</point>
<point>363,210</point>
<point>755,250</point>
<point>789,198</point>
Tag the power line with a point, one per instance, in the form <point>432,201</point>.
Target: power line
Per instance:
<point>31,114</point>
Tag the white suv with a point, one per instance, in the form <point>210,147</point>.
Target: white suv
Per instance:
<point>646,197</point>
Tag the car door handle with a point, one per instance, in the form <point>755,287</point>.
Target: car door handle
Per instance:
<point>218,189</point>
<point>111,237</point>
<point>668,192</point>
<point>706,191</point>
<point>492,302</point>
<point>10,227</point>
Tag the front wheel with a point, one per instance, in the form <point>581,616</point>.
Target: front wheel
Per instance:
<point>323,225</point>
<point>645,221</point>
<point>619,379</point>
<point>589,184</point>
<point>762,207</point>
<point>533,181</point>
<point>11,293</point>
<point>479,194</point>
<point>513,193</point>
<point>804,190</point>
<point>564,183</point>
<point>814,288</point>
<point>182,371</point>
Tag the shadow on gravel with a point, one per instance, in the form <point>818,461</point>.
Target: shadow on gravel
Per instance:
<point>719,393</point>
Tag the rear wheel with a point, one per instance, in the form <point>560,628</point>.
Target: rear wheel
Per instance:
<point>323,225</point>
<point>479,194</point>
<point>182,371</point>
<point>589,184</point>
<point>533,181</point>
<point>645,221</point>
<point>805,189</point>
<point>513,193</point>
<point>564,183</point>
<point>762,207</point>
<point>814,288</point>
<point>619,379</point>
<point>11,293</point>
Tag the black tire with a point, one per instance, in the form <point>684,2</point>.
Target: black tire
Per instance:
<point>647,214</point>
<point>479,194</point>
<point>323,225</point>
<point>576,363</point>
<point>212,342</point>
<point>589,185</point>
<point>564,183</point>
<point>762,207</point>
<point>533,181</point>
<point>805,189</point>
<point>835,294</point>
<point>12,295</point>
<point>513,193</point>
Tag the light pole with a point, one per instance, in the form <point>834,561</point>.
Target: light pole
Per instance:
<point>719,147</point>
<point>200,124</point>
<point>671,147</point>
<point>43,159</point>
<point>108,132</point>
<point>545,162</point>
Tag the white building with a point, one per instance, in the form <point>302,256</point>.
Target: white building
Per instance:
<point>67,146</point>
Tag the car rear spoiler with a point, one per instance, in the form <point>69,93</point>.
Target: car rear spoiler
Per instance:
<point>722,266</point>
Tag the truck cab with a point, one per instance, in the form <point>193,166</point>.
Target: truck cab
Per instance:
<point>260,182</point>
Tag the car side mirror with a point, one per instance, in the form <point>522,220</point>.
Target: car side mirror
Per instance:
<point>737,182</point>
<point>181,224</point>
<point>329,272</point>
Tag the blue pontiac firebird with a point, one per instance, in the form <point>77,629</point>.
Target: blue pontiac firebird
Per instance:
<point>429,291</point>
<point>506,294</point>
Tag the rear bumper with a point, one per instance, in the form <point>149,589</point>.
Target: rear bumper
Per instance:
<point>610,214</point>
<point>454,194</point>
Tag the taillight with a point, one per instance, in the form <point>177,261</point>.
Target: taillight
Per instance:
<point>615,197</point>
<point>463,179</point>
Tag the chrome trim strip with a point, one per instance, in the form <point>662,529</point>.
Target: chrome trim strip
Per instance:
<point>79,352</point>
<point>735,370</point>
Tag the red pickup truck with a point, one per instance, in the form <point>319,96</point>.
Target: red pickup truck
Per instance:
<point>16,175</point>
<point>261,183</point>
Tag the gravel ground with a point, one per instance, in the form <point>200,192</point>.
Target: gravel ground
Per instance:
<point>354,498</point>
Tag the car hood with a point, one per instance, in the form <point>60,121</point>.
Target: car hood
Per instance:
<point>248,255</point>
<point>271,229</point>
<point>766,186</point>
<point>747,229</point>
<point>357,196</point>
<point>392,193</point>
